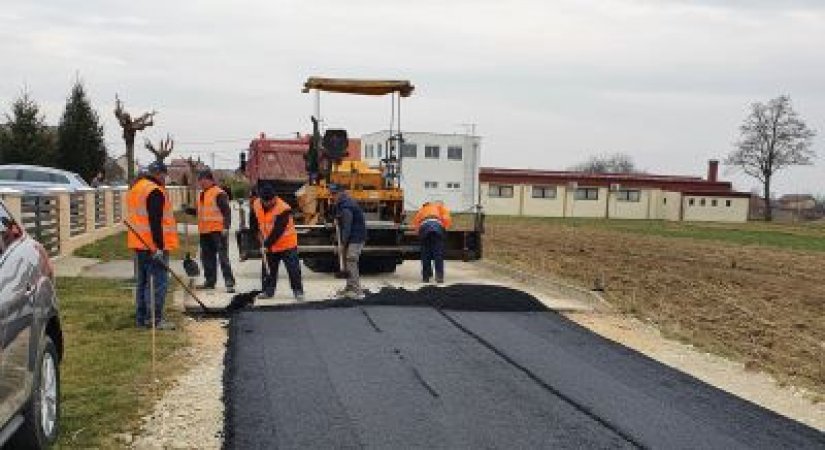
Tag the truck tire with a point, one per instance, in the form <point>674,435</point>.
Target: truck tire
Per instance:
<point>41,414</point>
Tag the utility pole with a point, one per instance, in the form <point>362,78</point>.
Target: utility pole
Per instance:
<point>213,160</point>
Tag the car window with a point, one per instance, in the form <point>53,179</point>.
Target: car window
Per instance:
<point>57,178</point>
<point>33,175</point>
<point>9,230</point>
<point>8,174</point>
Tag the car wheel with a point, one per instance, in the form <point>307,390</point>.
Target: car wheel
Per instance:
<point>42,413</point>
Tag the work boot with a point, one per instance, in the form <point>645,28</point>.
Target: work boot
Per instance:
<point>264,296</point>
<point>230,289</point>
<point>165,326</point>
<point>205,286</point>
<point>439,280</point>
<point>425,280</point>
<point>354,294</point>
<point>299,296</point>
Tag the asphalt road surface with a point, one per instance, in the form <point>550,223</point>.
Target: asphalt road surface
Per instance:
<point>467,367</point>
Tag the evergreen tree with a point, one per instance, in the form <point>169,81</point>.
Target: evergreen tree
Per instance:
<point>80,146</point>
<point>25,138</point>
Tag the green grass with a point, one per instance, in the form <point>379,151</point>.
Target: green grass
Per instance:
<point>106,373</point>
<point>809,237</point>
<point>114,248</point>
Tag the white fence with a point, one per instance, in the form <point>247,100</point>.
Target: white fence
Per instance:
<point>63,221</point>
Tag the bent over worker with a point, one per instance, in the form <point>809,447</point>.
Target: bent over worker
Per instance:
<point>432,222</point>
<point>150,214</point>
<point>214,223</point>
<point>271,218</point>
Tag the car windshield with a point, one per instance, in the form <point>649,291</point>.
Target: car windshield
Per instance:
<point>81,181</point>
<point>8,174</point>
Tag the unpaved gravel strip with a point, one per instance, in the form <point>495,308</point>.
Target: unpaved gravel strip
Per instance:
<point>190,414</point>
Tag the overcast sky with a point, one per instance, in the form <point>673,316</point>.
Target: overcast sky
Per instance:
<point>548,83</point>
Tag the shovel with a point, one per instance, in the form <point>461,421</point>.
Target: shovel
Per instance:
<point>190,266</point>
<point>342,271</point>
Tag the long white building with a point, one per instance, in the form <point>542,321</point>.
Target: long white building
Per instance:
<point>434,166</point>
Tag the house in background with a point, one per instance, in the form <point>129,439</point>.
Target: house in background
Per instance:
<point>434,166</point>
<point>540,193</point>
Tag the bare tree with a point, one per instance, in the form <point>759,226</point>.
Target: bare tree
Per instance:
<point>130,128</point>
<point>773,137</point>
<point>615,163</point>
<point>163,149</point>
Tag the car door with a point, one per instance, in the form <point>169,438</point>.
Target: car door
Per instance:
<point>16,313</point>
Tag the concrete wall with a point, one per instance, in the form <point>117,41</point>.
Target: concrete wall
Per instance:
<point>621,209</point>
<point>726,209</point>
<point>417,171</point>
<point>653,204</point>
<point>543,207</point>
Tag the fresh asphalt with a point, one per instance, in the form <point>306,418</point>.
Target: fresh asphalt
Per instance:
<point>467,367</point>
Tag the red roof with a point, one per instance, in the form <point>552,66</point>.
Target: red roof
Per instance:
<point>677,183</point>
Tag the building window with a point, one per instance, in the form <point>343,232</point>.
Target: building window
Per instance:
<point>625,195</point>
<point>713,202</point>
<point>664,201</point>
<point>431,185</point>
<point>587,194</point>
<point>368,152</point>
<point>544,192</point>
<point>691,201</point>
<point>702,202</point>
<point>432,151</point>
<point>409,151</point>
<point>453,185</point>
<point>454,153</point>
<point>501,191</point>
<point>727,203</point>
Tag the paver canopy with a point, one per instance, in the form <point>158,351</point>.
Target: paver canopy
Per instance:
<point>359,87</point>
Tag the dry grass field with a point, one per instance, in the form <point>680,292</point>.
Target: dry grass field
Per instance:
<point>751,292</point>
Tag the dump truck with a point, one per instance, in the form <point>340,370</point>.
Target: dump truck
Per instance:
<point>331,158</point>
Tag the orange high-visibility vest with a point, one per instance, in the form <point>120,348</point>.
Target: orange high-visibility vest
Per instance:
<point>210,218</point>
<point>139,218</point>
<point>266,222</point>
<point>433,211</point>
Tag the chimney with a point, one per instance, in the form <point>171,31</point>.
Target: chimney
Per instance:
<point>713,170</point>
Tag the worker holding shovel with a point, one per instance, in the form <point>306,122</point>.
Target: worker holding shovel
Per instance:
<point>351,230</point>
<point>214,223</point>
<point>271,218</point>
<point>153,234</point>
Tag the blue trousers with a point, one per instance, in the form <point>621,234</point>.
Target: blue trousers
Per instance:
<point>293,269</point>
<point>431,235</point>
<point>149,269</point>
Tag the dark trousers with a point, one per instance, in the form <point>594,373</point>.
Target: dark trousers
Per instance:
<point>431,235</point>
<point>293,269</point>
<point>149,269</point>
<point>214,249</point>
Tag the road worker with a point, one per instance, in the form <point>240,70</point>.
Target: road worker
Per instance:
<point>271,220</point>
<point>353,233</point>
<point>431,223</point>
<point>150,214</point>
<point>214,222</point>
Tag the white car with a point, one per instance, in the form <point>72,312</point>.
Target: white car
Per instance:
<point>37,178</point>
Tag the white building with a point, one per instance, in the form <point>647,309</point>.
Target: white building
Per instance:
<point>433,167</point>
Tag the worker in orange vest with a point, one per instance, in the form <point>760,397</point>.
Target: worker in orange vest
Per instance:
<point>150,214</point>
<point>271,219</point>
<point>214,222</point>
<point>431,223</point>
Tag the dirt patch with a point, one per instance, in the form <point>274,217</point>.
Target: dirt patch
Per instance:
<point>764,307</point>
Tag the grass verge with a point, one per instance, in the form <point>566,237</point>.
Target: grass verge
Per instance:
<point>106,376</point>
<point>114,248</point>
